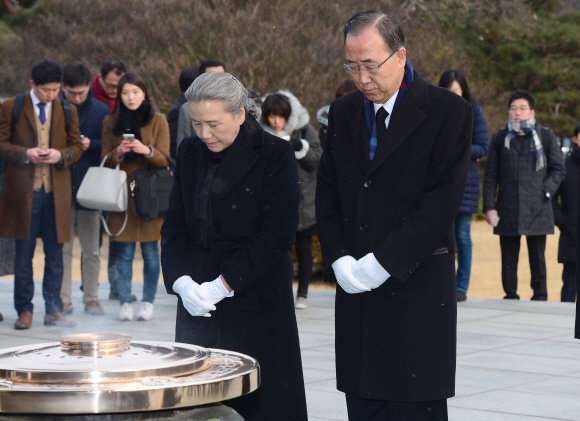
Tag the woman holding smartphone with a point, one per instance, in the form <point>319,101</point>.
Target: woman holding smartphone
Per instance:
<point>135,136</point>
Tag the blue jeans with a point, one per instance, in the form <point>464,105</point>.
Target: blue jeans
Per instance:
<point>43,224</point>
<point>124,270</point>
<point>464,249</point>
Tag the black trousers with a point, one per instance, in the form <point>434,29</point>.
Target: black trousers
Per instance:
<point>370,410</point>
<point>569,283</point>
<point>303,245</point>
<point>510,251</point>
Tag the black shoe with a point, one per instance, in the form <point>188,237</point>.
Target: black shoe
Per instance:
<point>1,317</point>
<point>517,297</point>
<point>461,296</point>
<point>116,297</point>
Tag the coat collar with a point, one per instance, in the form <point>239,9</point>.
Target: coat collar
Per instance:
<point>356,120</point>
<point>238,161</point>
<point>408,117</point>
<point>56,113</point>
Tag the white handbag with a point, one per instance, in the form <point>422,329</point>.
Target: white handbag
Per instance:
<point>105,189</point>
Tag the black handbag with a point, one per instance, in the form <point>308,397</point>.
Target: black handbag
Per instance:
<point>150,190</point>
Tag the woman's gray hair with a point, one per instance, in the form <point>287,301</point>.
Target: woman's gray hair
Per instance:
<point>221,86</point>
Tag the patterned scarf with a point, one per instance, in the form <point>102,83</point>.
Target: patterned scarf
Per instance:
<point>370,124</point>
<point>523,128</point>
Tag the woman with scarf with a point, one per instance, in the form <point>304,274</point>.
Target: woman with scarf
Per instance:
<point>285,117</point>
<point>454,80</point>
<point>135,136</point>
<point>226,240</point>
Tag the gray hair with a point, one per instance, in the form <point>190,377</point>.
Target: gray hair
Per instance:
<point>221,86</point>
<point>387,27</point>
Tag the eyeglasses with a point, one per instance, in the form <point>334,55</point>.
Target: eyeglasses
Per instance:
<point>368,68</point>
<point>76,94</point>
<point>111,85</point>
<point>522,109</point>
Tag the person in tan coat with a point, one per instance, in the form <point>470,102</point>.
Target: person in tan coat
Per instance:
<point>36,195</point>
<point>146,136</point>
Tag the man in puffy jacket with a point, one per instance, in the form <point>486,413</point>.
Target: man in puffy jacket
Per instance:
<point>525,167</point>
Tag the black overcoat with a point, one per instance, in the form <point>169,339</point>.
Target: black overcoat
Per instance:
<point>566,213</point>
<point>396,342</point>
<point>521,202</point>
<point>254,202</point>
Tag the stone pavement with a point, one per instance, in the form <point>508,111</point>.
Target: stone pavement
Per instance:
<point>517,361</point>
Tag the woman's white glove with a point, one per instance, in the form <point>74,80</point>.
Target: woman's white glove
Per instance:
<point>215,291</point>
<point>369,271</point>
<point>193,297</point>
<point>343,271</point>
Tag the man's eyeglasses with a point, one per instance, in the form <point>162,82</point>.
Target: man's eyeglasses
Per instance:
<point>111,85</point>
<point>368,68</point>
<point>521,109</point>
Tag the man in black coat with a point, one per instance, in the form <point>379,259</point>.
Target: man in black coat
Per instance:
<point>525,167</point>
<point>186,78</point>
<point>566,219</point>
<point>389,188</point>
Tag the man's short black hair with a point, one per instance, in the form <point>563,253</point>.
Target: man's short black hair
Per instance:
<point>210,63</point>
<point>187,77</point>
<point>519,94</point>
<point>276,104</point>
<point>46,72</point>
<point>76,74</point>
<point>577,130</point>
<point>113,65</point>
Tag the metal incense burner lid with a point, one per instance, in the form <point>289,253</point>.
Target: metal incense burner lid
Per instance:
<point>104,373</point>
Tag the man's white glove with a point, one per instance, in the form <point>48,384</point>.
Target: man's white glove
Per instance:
<point>193,297</point>
<point>343,271</point>
<point>215,291</point>
<point>369,271</point>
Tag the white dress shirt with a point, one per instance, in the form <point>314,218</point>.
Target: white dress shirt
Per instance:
<point>387,106</point>
<point>36,101</point>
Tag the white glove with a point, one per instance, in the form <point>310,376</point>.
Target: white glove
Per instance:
<point>194,299</point>
<point>343,271</point>
<point>369,271</point>
<point>215,291</point>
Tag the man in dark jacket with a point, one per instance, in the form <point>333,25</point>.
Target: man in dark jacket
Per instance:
<point>76,88</point>
<point>186,78</point>
<point>525,167</point>
<point>390,182</point>
<point>566,219</point>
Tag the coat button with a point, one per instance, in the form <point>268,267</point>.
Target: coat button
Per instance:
<point>363,227</point>
<point>367,184</point>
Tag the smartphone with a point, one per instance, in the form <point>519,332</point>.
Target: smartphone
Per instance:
<point>82,136</point>
<point>128,136</point>
<point>44,154</point>
<point>495,221</point>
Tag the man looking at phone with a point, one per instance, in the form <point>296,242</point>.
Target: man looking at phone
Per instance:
<point>36,195</point>
<point>525,161</point>
<point>106,82</point>
<point>76,87</point>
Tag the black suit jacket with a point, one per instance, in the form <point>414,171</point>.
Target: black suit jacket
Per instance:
<point>254,201</point>
<point>396,342</point>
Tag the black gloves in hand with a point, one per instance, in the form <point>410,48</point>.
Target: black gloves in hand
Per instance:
<point>296,144</point>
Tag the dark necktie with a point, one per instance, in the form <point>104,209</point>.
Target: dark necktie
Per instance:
<point>381,116</point>
<point>42,113</point>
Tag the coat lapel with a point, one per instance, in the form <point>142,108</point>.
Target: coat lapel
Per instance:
<point>408,117</point>
<point>356,120</point>
<point>57,122</point>
<point>28,111</point>
<point>238,161</point>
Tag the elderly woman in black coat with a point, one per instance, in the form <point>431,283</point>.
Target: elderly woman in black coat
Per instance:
<point>225,243</point>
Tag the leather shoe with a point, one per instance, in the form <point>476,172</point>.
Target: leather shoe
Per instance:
<point>24,320</point>
<point>58,319</point>
<point>67,308</point>
<point>94,308</point>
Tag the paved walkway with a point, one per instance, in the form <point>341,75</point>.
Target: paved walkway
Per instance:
<point>517,361</point>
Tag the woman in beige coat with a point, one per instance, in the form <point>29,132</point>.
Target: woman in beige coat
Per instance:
<point>135,136</point>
